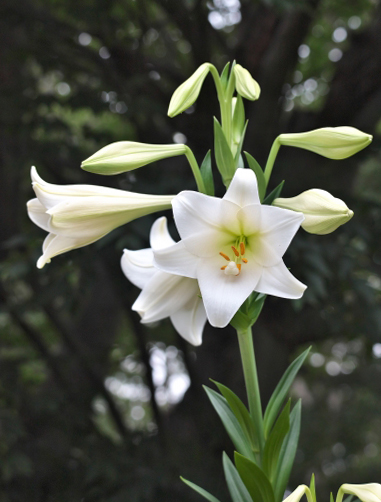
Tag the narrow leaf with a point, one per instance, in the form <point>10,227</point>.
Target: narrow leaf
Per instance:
<point>223,154</point>
<point>239,147</point>
<point>225,75</point>
<point>241,413</point>
<point>255,480</point>
<point>253,164</point>
<point>288,452</point>
<point>274,194</point>
<point>200,490</point>
<point>312,487</point>
<point>207,175</point>
<point>237,489</point>
<point>230,422</point>
<point>281,391</point>
<point>274,443</point>
<point>238,120</point>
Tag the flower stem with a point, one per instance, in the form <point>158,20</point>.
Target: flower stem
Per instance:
<point>195,169</point>
<point>270,161</point>
<point>246,347</point>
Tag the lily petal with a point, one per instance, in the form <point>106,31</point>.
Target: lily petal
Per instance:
<point>159,235</point>
<point>55,245</point>
<point>190,320</point>
<point>37,213</point>
<point>370,492</point>
<point>176,260</point>
<point>278,281</point>
<point>138,266</point>
<point>243,189</point>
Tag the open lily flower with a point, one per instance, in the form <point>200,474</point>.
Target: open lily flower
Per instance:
<point>369,492</point>
<point>77,215</point>
<point>232,246</point>
<point>164,294</point>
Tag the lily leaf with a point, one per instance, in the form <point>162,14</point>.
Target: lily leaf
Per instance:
<point>207,175</point>
<point>274,194</point>
<point>236,486</point>
<point>223,154</point>
<point>281,391</point>
<point>253,164</point>
<point>255,480</point>
<point>225,75</point>
<point>200,490</point>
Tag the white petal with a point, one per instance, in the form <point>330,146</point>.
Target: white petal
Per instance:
<point>369,492</point>
<point>243,189</point>
<point>163,295</point>
<point>37,213</point>
<point>56,246</point>
<point>138,266</point>
<point>159,236</point>
<point>176,260</point>
<point>48,239</point>
<point>297,494</point>
<point>278,281</point>
<point>224,294</point>
<point>189,321</point>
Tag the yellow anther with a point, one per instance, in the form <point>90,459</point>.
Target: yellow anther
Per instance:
<point>239,266</point>
<point>242,249</point>
<point>244,260</point>
<point>235,251</point>
<point>225,256</point>
<point>223,268</point>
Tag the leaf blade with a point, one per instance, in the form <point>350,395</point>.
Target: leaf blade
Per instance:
<point>236,486</point>
<point>201,491</point>
<point>255,480</point>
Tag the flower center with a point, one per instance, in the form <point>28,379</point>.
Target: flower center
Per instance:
<point>235,264</point>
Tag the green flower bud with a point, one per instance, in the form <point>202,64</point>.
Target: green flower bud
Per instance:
<point>323,213</point>
<point>125,156</point>
<point>246,86</point>
<point>185,95</point>
<point>331,142</point>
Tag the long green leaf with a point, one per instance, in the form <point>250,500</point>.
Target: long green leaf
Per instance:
<point>255,480</point>
<point>237,489</point>
<point>200,490</point>
<point>238,123</point>
<point>241,413</point>
<point>288,452</point>
<point>274,194</point>
<point>281,391</point>
<point>230,422</point>
<point>207,175</point>
<point>253,164</point>
<point>225,75</point>
<point>223,154</point>
<point>274,443</point>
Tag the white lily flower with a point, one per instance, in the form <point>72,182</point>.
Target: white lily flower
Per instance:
<point>370,492</point>
<point>164,294</point>
<point>232,246</point>
<point>77,215</point>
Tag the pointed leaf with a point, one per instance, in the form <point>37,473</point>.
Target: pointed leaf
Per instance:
<point>225,75</point>
<point>281,391</point>
<point>241,413</point>
<point>274,443</point>
<point>239,148</point>
<point>274,194</point>
<point>237,489</point>
<point>331,499</point>
<point>200,490</point>
<point>223,154</point>
<point>207,175</point>
<point>253,164</point>
<point>238,120</point>
<point>230,422</point>
<point>312,487</point>
<point>255,480</point>
<point>288,452</point>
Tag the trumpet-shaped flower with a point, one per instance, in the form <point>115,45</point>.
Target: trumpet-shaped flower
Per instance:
<point>232,246</point>
<point>370,492</point>
<point>164,294</point>
<point>77,215</point>
<point>187,93</point>
<point>246,86</point>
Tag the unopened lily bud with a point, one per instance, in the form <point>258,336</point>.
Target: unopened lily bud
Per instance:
<point>246,86</point>
<point>125,156</point>
<point>370,492</point>
<point>323,213</point>
<point>185,95</point>
<point>331,142</point>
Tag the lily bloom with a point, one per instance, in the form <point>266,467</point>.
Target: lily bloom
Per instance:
<point>77,215</point>
<point>232,246</point>
<point>164,294</point>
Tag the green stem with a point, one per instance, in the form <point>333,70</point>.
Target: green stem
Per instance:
<point>246,347</point>
<point>195,169</point>
<point>270,161</point>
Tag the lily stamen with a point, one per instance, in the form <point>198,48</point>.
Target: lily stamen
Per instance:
<point>225,256</point>
<point>244,260</point>
<point>242,249</point>
<point>235,251</point>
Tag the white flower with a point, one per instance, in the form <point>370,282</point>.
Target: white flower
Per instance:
<point>370,492</point>
<point>298,493</point>
<point>232,246</point>
<point>164,294</point>
<point>77,215</point>
<point>187,93</point>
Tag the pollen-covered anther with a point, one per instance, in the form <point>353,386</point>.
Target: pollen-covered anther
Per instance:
<point>232,268</point>
<point>242,249</point>
<point>244,260</point>
<point>225,256</point>
<point>235,251</point>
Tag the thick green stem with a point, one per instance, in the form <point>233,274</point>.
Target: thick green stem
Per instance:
<point>246,347</point>
<point>195,169</point>
<point>270,161</point>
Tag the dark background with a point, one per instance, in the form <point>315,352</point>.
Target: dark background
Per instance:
<point>91,401</point>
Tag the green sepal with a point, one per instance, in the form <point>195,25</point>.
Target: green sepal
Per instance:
<point>223,154</point>
<point>253,164</point>
<point>241,413</point>
<point>238,123</point>
<point>201,491</point>
<point>225,76</point>
<point>288,452</point>
<point>281,391</point>
<point>313,488</point>
<point>230,422</point>
<point>239,147</point>
<point>207,175</point>
<point>274,443</point>
<point>237,489</point>
<point>274,194</point>
<point>255,480</point>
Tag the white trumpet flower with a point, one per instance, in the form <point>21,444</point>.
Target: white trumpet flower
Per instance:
<point>77,215</point>
<point>232,246</point>
<point>164,294</point>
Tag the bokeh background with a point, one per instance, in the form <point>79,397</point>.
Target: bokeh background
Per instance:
<point>95,406</point>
